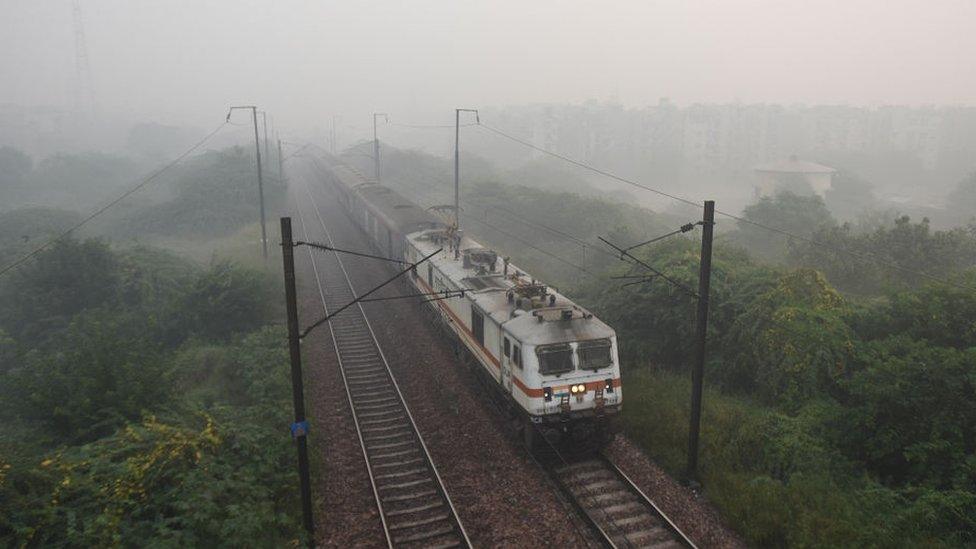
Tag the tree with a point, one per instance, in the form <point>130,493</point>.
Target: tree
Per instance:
<point>101,372</point>
<point>892,256</point>
<point>799,215</point>
<point>223,301</point>
<point>15,167</point>
<point>961,201</point>
<point>41,297</point>
<point>912,417</point>
<point>792,343</point>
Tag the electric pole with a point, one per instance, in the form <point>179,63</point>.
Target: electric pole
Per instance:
<point>457,167</point>
<point>376,144</point>
<point>257,153</point>
<point>333,140</point>
<point>701,331</point>
<point>299,429</point>
<point>281,172</point>
<point>264,123</point>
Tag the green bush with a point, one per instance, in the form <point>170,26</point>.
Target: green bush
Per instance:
<point>103,371</point>
<point>779,479</point>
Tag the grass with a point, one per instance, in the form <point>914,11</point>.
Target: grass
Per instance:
<point>771,477</point>
<point>242,247</point>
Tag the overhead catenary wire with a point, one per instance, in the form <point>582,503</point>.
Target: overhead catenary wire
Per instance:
<point>527,243</point>
<point>150,178</point>
<point>429,126</point>
<point>862,256</point>
<point>684,228</point>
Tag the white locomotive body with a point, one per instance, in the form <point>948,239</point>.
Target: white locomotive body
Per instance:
<point>551,360</point>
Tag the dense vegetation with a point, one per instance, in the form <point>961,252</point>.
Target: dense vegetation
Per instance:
<point>143,399</point>
<point>841,398</point>
<point>142,395</point>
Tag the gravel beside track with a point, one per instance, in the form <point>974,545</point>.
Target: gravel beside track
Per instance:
<point>697,518</point>
<point>503,497</point>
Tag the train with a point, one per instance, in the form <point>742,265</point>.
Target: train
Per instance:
<point>551,362</point>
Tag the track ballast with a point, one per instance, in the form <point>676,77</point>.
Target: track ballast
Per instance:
<point>413,504</point>
<point>619,512</point>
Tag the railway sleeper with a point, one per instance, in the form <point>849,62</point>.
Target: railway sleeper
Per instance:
<point>369,401</point>
<point>439,517</point>
<point>579,477</point>
<point>415,509</point>
<point>579,465</point>
<point>403,463</point>
<point>407,484</point>
<point>389,455</point>
<point>372,430</point>
<point>356,347</point>
<point>361,383</point>
<point>372,373</point>
<point>352,365</point>
<point>648,537</point>
<point>430,534</point>
<point>597,486</point>
<point>384,391</point>
<point>409,497</point>
<point>636,519</point>
<point>381,406</point>
<point>595,500</point>
<point>622,507</point>
<point>401,474</point>
<point>380,414</point>
<point>391,445</point>
<point>380,437</point>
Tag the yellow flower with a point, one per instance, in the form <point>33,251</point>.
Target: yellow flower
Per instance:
<point>47,462</point>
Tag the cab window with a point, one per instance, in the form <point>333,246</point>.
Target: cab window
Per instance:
<point>517,356</point>
<point>595,354</point>
<point>508,348</point>
<point>555,359</point>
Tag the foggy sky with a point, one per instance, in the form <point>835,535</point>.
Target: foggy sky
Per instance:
<point>182,61</point>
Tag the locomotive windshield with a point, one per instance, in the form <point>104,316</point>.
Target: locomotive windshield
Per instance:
<point>595,354</point>
<point>555,359</point>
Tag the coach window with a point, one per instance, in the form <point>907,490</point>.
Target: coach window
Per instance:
<point>478,326</point>
<point>517,356</point>
<point>508,348</point>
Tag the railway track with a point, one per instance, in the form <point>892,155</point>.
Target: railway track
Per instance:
<point>617,510</point>
<point>414,506</point>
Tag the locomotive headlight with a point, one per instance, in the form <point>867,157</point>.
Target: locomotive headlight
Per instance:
<point>577,389</point>
<point>608,385</point>
<point>547,394</point>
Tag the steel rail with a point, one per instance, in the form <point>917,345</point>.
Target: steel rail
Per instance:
<point>620,513</point>
<point>397,467</point>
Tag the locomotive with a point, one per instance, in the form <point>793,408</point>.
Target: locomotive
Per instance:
<point>552,362</point>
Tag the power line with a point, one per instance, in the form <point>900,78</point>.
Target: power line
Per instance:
<point>587,166</point>
<point>862,256</point>
<point>624,253</point>
<point>525,242</point>
<point>534,247</point>
<point>120,198</point>
<point>428,126</point>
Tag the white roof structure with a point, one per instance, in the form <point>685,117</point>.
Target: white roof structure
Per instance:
<point>562,321</point>
<point>794,165</point>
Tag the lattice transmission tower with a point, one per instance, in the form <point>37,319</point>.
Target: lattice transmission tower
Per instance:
<point>84,93</point>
